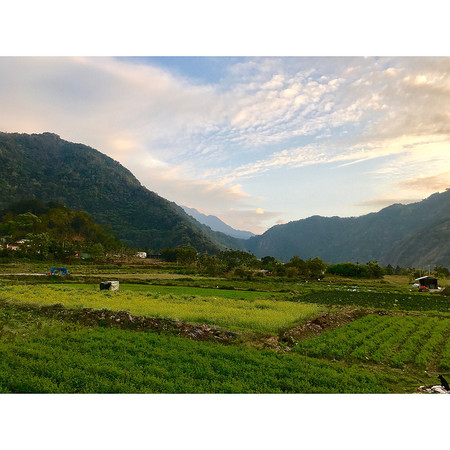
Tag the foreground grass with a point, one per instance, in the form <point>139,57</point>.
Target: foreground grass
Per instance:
<point>251,314</point>
<point>44,355</point>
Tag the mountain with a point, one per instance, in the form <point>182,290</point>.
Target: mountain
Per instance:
<point>408,235</point>
<point>216,224</point>
<point>48,168</point>
<point>425,247</point>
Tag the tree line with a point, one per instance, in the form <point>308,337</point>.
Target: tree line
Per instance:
<point>38,230</point>
<point>244,264</point>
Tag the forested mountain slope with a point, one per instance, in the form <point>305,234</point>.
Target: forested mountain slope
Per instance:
<point>414,234</point>
<point>48,168</point>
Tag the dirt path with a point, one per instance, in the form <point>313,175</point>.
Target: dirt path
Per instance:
<point>23,274</point>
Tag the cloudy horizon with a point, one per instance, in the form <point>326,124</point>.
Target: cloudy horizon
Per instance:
<point>254,141</point>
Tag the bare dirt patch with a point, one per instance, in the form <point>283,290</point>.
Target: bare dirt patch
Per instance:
<point>325,322</point>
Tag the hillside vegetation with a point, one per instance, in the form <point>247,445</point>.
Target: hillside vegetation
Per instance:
<point>41,231</point>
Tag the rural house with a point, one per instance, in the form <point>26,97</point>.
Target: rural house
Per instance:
<point>428,282</point>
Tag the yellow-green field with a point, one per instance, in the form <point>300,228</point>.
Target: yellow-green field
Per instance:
<point>257,315</point>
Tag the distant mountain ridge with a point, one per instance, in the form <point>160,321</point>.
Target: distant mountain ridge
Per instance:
<point>216,224</point>
<point>409,235</point>
<point>48,168</point>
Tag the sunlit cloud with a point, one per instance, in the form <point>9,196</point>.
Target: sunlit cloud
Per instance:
<point>433,183</point>
<point>377,203</point>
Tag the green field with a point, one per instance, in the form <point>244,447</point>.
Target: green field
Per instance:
<point>189,290</point>
<point>237,313</point>
<point>44,355</point>
<point>397,341</point>
<point>386,300</point>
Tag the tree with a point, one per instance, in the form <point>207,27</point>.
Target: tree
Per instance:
<point>316,267</point>
<point>38,245</point>
<point>169,254</point>
<point>374,270</point>
<point>210,264</point>
<point>96,251</point>
<point>291,272</point>
<point>300,265</point>
<point>442,272</point>
<point>237,258</point>
<point>186,255</point>
<point>271,264</point>
<point>22,224</point>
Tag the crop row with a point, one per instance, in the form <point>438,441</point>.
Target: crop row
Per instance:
<point>394,340</point>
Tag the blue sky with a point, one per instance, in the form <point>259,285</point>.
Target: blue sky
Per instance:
<point>255,141</point>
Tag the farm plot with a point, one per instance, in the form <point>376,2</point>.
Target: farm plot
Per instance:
<point>44,355</point>
<point>385,300</point>
<point>422,342</point>
<point>251,314</point>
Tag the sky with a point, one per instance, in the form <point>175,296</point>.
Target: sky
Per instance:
<point>256,141</point>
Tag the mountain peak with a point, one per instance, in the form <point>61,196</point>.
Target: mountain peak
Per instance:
<point>217,224</point>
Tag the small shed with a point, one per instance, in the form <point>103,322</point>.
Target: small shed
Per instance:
<point>428,282</point>
<point>109,285</point>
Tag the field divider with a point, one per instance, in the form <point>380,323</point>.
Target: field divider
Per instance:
<point>125,320</point>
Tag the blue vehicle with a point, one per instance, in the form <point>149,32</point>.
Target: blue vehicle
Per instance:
<point>58,271</point>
